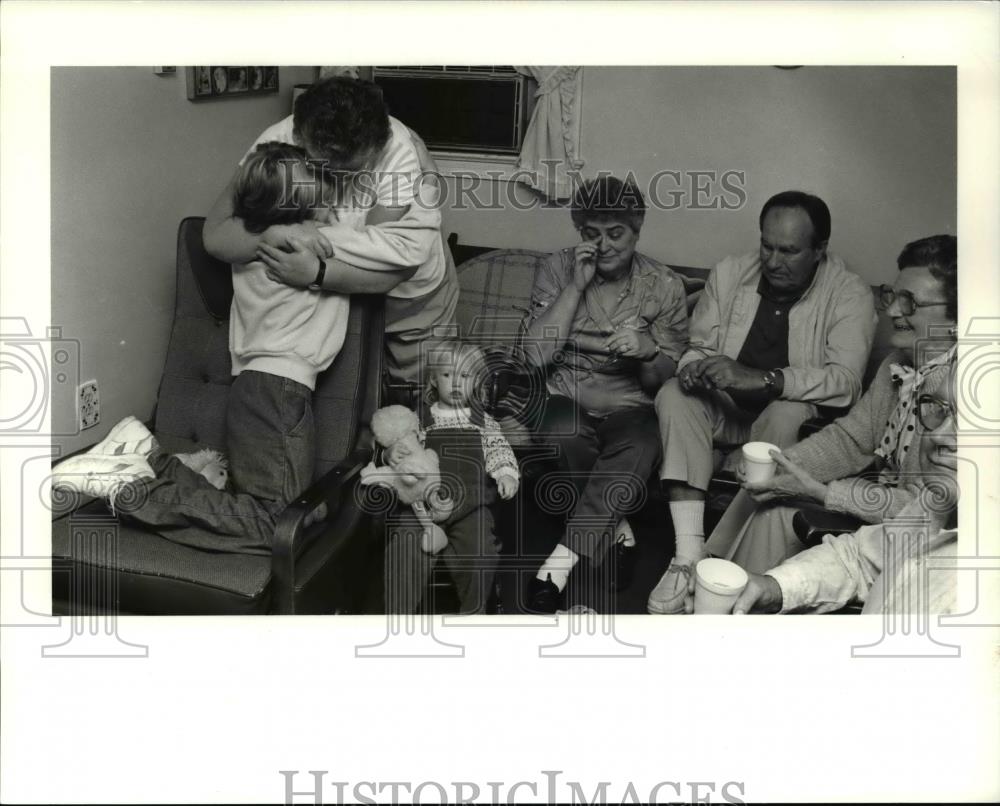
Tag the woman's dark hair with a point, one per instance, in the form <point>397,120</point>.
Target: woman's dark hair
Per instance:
<point>265,192</point>
<point>939,253</point>
<point>342,120</point>
<point>814,207</point>
<point>608,198</point>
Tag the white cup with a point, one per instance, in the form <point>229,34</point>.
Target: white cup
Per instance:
<point>756,462</point>
<point>718,584</point>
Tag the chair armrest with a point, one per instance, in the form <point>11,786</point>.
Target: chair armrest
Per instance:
<point>403,393</point>
<point>326,493</point>
<point>811,524</point>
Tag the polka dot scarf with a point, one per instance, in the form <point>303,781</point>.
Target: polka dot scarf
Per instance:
<point>902,424</point>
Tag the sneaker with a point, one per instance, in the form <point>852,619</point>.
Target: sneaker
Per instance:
<point>98,475</point>
<point>543,597</point>
<point>667,598</point>
<point>128,437</point>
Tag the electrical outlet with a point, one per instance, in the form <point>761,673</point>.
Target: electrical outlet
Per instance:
<point>88,404</point>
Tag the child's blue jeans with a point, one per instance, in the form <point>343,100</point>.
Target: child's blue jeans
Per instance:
<point>270,446</point>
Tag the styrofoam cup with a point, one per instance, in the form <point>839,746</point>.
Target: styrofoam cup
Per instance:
<point>717,585</point>
<point>757,463</point>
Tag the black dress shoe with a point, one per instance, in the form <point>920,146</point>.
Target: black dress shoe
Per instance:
<point>623,560</point>
<point>543,596</point>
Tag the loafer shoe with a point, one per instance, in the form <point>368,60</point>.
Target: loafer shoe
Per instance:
<point>667,598</point>
<point>543,596</point>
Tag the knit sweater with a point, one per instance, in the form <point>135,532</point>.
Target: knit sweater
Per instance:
<point>845,448</point>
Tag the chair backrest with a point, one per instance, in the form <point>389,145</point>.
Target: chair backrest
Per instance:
<point>495,291</point>
<point>194,389</point>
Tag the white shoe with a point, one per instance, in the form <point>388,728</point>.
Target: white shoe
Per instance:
<point>128,437</point>
<point>667,598</point>
<point>98,475</point>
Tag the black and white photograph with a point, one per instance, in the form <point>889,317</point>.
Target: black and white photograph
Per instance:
<point>636,399</point>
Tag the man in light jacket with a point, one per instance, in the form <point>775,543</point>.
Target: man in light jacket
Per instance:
<point>775,334</point>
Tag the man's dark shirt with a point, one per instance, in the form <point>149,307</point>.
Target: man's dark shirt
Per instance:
<point>766,345</point>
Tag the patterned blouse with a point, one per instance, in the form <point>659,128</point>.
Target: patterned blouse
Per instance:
<point>653,301</point>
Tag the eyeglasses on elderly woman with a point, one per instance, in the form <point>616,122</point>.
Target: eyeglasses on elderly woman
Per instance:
<point>933,411</point>
<point>907,302</point>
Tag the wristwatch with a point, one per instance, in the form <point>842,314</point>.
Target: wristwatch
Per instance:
<point>771,381</point>
<point>317,284</point>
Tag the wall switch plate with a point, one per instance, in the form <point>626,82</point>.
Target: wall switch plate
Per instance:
<point>88,404</point>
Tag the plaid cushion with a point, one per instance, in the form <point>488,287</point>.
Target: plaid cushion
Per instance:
<point>495,291</point>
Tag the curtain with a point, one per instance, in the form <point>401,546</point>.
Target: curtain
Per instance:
<point>552,143</point>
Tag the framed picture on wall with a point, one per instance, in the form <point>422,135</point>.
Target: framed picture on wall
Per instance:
<point>208,82</point>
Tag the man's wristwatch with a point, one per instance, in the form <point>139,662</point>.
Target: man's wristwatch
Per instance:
<point>771,380</point>
<point>317,284</point>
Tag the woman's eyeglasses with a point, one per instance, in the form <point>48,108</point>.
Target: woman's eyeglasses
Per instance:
<point>932,412</point>
<point>907,304</point>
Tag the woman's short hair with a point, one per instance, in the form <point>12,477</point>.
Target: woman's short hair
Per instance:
<point>265,192</point>
<point>814,207</point>
<point>341,120</point>
<point>939,253</point>
<point>608,198</point>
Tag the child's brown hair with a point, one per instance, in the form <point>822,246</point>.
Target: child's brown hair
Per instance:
<point>266,192</point>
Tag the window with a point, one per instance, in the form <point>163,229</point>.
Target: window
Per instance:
<point>464,109</point>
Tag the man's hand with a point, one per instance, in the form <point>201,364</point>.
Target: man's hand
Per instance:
<point>585,264</point>
<point>631,343</point>
<point>507,485</point>
<point>761,595</point>
<point>297,268</point>
<point>723,373</point>
<point>689,376</point>
<point>790,482</point>
<point>280,236</point>
<point>689,598</point>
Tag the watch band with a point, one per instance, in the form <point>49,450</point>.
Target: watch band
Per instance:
<point>771,381</point>
<point>317,284</point>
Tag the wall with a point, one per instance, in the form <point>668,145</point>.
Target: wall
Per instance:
<point>878,144</point>
<point>131,156</point>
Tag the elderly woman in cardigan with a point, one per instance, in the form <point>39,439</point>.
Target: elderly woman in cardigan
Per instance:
<point>883,566</point>
<point>883,426</point>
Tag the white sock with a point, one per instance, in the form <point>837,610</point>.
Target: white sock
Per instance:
<point>558,565</point>
<point>624,533</point>
<point>689,529</point>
